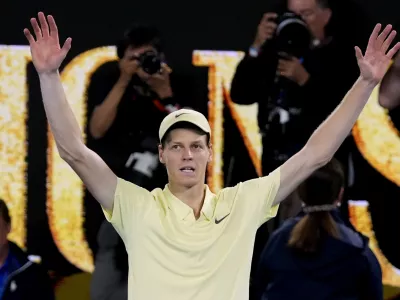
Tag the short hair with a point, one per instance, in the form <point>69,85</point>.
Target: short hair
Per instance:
<point>139,35</point>
<point>183,125</point>
<point>4,213</point>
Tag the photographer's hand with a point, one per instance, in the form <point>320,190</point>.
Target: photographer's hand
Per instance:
<point>265,30</point>
<point>158,82</point>
<point>292,69</point>
<point>128,67</point>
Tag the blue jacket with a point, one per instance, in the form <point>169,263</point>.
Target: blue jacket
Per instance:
<point>27,280</point>
<point>344,269</point>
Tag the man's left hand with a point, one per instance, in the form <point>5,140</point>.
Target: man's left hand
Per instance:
<point>292,69</point>
<point>158,82</point>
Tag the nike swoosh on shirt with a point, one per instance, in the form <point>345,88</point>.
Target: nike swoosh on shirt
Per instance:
<point>220,220</point>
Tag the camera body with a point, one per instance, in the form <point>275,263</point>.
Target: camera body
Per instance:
<point>150,61</point>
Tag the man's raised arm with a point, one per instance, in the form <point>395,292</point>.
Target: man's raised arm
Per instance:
<point>325,141</point>
<point>47,57</point>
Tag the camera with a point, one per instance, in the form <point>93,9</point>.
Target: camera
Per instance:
<point>292,35</point>
<point>292,39</point>
<point>150,62</point>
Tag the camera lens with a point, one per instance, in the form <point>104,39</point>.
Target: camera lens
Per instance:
<point>292,35</point>
<point>150,62</point>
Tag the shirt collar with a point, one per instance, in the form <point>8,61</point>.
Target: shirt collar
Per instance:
<point>183,210</point>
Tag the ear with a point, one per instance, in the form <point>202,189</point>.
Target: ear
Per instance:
<point>161,153</point>
<point>327,15</point>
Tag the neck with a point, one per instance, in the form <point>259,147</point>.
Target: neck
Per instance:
<point>192,196</point>
<point>3,254</point>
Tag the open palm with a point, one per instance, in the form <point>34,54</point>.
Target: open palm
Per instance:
<point>374,64</point>
<point>47,55</point>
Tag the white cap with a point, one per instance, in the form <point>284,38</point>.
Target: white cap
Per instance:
<point>184,115</point>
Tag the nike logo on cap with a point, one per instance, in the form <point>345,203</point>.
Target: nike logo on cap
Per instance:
<point>178,115</point>
<point>220,220</point>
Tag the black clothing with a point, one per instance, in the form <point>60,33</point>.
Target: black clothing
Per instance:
<point>343,268</point>
<point>27,280</point>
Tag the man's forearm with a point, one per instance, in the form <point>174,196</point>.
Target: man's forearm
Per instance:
<point>104,114</point>
<point>328,137</point>
<point>63,123</point>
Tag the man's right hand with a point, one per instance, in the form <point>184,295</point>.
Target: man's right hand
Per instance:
<point>128,66</point>
<point>47,55</point>
<point>266,29</point>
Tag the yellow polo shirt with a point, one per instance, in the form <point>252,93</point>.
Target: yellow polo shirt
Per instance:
<point>173,256</point>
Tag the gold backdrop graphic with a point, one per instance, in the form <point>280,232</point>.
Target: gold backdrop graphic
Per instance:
<point>375,135</point>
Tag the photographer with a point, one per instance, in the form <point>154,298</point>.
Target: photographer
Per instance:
<point>291,70</point>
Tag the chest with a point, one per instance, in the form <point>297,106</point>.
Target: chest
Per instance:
<point>190,247</point>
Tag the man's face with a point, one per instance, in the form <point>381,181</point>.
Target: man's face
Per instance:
<point>315,16</point>
<point>185,156</point>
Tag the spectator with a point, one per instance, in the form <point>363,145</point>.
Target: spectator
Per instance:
<point>20,278</point>
<point>318,254</point>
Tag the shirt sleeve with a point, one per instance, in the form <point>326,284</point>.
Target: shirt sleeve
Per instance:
<point>260,194</point>
<point>130,205</point>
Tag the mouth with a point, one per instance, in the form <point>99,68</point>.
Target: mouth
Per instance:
<point>187,170</point>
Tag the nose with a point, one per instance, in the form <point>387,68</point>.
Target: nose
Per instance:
<point>187,154</point>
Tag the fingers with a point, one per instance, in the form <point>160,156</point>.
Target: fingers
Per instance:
<point>53,26</point>
<point>283,66</point>
<point>282,63</point>
<point>358,53</point>
<point>67,46</point>
<point>165,68</point>
<point>267,23</point>
<point>268,28</point>
<point>382,37</point>
<point>29,36</point>
<point>43,25</point>
<point>143,75</point>
<point>393,51</point>
<point>373,36</point>
<point>388,41</point>
<point>134,63</point>
<point>47,28</point>
<point>36,29</point>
